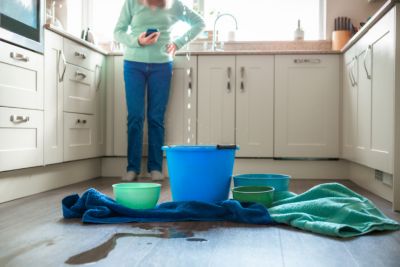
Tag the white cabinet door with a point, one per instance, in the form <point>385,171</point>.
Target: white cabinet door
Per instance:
<point>380,68</point>
<point>79,90</point>
<point>255,105</point>
<point>349,111</point>
<point>307,106</point>
<point>21,77</point>
<point>21,138</point>
<point>100,103</point>
<point>216,100</point>
<point>79,136</point>
<point>121,114</point>
<point>180,118</point>
<point>53,98</point>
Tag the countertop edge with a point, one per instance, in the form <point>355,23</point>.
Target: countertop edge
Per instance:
<point>75,39</point>
<point>370,23</point>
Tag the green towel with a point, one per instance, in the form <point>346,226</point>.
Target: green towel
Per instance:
<point>330,209</point>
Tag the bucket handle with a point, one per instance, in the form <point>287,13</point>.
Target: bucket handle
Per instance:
<point>227,146</point>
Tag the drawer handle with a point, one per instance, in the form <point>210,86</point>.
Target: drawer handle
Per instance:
<point>369,50</point>
<point>81,55</point>
<point>242,70</point>
<point>80,74</point>
<point>19,57</point>
<point>62,57</point>
<point>19,119</point>
<point>307,60</point>
<point>228,86</point>
<point>190,76</point>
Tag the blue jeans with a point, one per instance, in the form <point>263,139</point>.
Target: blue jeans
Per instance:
<point>156,77</point>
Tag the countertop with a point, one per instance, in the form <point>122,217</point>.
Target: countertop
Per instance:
<point>230,48</point>
<point>389,4</point>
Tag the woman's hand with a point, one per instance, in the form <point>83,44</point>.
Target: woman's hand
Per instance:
<point>149,40</point>
<point>171,48</point>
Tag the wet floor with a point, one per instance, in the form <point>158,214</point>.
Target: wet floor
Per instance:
<point>100,252</point>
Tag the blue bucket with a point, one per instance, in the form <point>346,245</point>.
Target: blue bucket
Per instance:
<point>201,173</point>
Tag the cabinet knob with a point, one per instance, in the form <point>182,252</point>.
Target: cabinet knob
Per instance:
<point>78,121</point>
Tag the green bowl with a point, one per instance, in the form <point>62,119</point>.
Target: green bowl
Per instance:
<point>137,195</point>
<point>259,194</point>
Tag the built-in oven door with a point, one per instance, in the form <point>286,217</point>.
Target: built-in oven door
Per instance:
<point>21,23</point>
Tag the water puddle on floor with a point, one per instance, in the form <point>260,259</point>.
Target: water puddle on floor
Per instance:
<point>100,252</point>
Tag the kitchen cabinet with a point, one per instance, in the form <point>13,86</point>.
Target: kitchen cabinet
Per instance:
<point>21,77</point>
<point>21,138</point>
<point>254,105</point>
<point>79,136</point>
<point>235,103</point>
<point>180,117</point>
<point>307,106</point>
<point>55,67</point>
<point>21,108</point>
<point>216,100</point>
<point>373,75</point>
<point>74,91</point>
<point>84,102</point>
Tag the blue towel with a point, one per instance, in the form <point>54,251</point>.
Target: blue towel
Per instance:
<point>95,207</point>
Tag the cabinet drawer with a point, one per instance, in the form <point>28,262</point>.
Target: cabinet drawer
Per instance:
<point>78,136</point>
<point>79,55</point>
<point>79,90</point>
<point>21,138</point>
<point>21,77</point>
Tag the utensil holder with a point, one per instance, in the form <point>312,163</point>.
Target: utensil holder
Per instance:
<point>339,39</point>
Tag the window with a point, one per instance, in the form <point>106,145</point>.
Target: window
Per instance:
<point>263,20</point>
<point>258,20</point>
<point>102,17</point>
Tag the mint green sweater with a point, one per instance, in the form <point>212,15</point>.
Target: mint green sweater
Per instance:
<point>139,18</point>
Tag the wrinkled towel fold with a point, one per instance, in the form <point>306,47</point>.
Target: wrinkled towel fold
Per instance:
<point>330,209</point>
<point>95,207</point>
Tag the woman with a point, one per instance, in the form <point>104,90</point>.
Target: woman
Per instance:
<point>148,65</point>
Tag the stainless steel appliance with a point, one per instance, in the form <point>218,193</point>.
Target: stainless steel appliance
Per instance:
<point>21,23</point>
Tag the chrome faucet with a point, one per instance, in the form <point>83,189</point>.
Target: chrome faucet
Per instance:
<point>214,41</point>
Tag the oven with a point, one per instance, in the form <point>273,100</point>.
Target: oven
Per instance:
<point>21,23</point>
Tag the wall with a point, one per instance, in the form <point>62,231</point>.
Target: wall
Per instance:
<point>357,10</point>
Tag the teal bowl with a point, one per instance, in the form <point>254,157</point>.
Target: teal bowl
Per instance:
<point>280,182</point>
<point>137,195</point>
<point>260,194</point>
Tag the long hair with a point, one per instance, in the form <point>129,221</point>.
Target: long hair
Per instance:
<point>160,3</point>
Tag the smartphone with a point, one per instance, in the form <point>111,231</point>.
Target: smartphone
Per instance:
<point>150,31</point>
